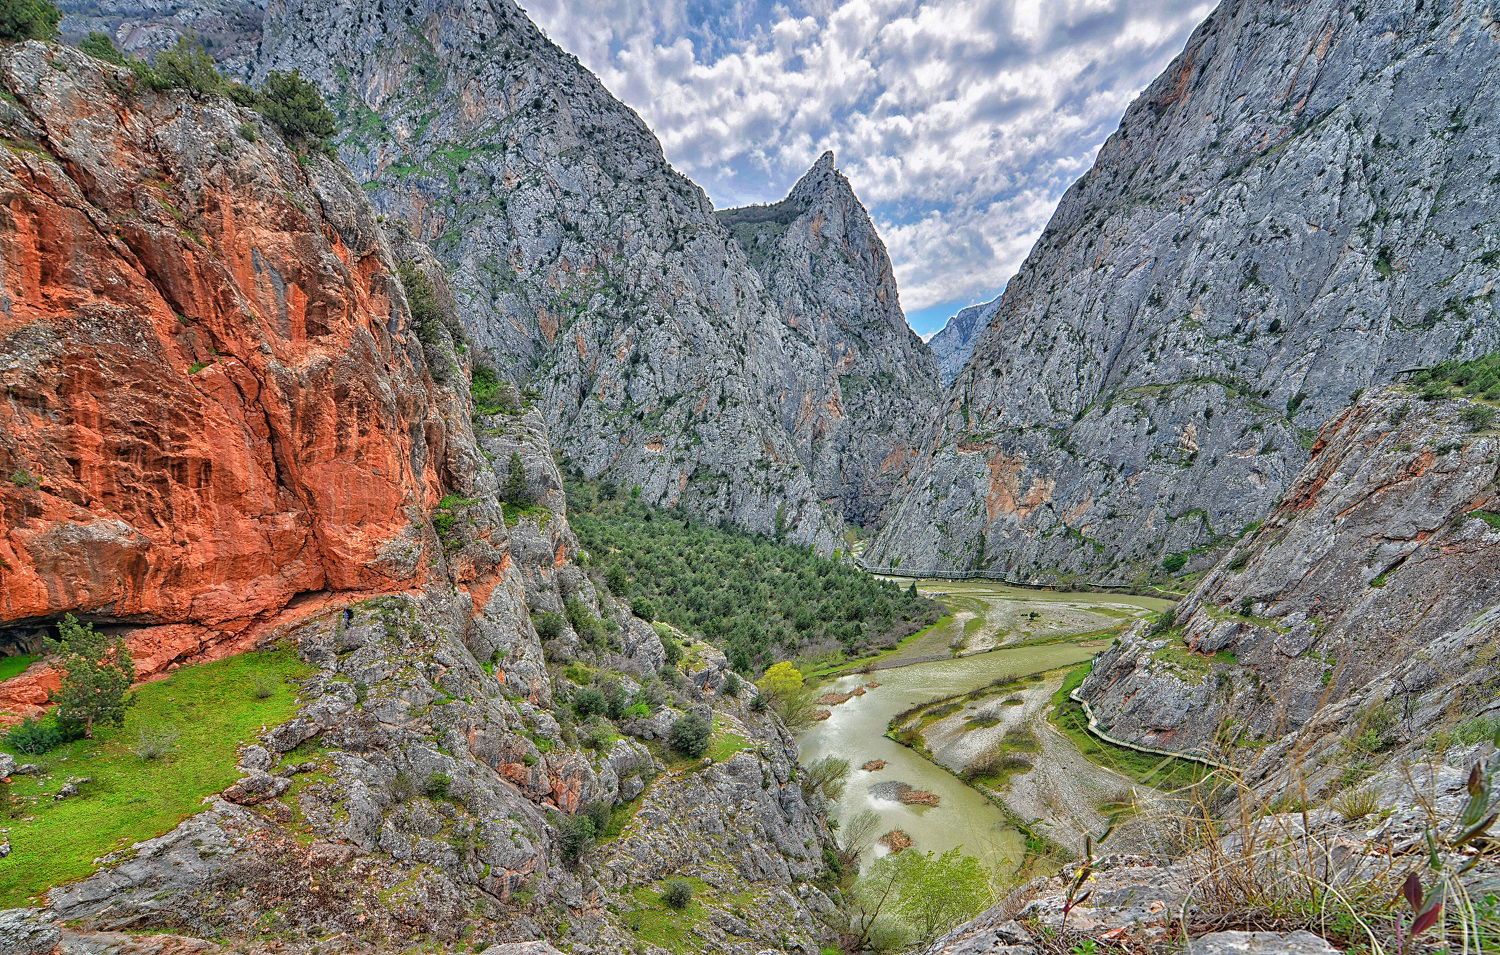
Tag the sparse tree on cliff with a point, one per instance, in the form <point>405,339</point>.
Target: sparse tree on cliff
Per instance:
<point>97,672</point>
<point>296,107</point>
<point>516,490</point>
<point>786,690</point>
<point>28,20</point>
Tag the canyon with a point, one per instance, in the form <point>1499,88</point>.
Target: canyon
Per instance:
<point>265,394</point>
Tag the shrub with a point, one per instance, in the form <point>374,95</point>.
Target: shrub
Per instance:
<point>677,894</point>
<point>597,734</point>
<point>516,489</point>
<point>154,743</point>
<point>34,737</point>
<point>421,299</point>
<point>437,786</point>
<point>690,734</point>
<point>549,626</point>
<point>262,688</point>
<point>1478,417</point>
<point>28,20</point>
<point>575,836</point>
<point>101,47</point>
<point>296,108</point>
<point>732,683</point>
<point>185,66</point>
<point>1174,562</point>
<point>643,607</point>
<point>589,702</point>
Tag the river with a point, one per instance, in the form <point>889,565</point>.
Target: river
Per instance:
<point>855,730</point>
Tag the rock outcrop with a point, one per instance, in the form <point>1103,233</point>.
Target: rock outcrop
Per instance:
<point>584,264</point>
<point>1297,209</point>
<point>217,409</point>
<point>224,420</point>
<point>955,341</point>
<point>1359,620</point>
<point>862,388</point>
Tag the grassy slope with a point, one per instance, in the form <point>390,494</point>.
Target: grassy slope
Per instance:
<point>213,707</point>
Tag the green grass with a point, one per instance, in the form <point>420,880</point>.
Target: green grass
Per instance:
<point>656,924</point>
<point>15,666</point>
<point>212,706</point>
<point>725,745</point>
<point>1161,772</point>
<point>1489,517</point>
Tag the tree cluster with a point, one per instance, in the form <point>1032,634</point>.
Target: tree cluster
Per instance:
<point>757,598</point>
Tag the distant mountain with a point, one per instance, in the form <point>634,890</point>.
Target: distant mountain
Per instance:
<point>1300,207</point>
<point>954,342</point>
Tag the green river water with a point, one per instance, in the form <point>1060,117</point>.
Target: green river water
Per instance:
<point>855,730</point>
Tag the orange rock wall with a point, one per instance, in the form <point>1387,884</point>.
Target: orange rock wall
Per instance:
<point>210,398</point>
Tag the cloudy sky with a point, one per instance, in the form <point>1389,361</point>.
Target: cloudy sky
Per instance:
<point>959,122</point>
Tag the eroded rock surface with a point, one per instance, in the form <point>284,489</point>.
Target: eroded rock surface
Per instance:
<point>1357,620</point>
<point>1295,210</point>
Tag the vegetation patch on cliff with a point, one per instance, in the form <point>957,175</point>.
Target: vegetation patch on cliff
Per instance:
<point>178,745</point>
<point>757,598</point>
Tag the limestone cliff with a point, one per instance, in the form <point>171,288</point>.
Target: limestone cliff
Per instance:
<point>1300,207</point>
<point>585,264</point>
<point>216,406</point>
<point>955,341</point>
<point>862,388</point>
<point>1360,618</point>
<point>225,425</point>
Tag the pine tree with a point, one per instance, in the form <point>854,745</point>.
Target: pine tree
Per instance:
<point>516,490</point>
<point>97,672</point>
<point>28,20</point>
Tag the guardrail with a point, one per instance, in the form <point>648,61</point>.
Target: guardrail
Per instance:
<point>998,577</point>
<point>1094,728</point>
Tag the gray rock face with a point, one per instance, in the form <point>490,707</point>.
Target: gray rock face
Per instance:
<point>584,264</point>
<point>1297,209</point>
<point>229,28</point>
<point>955,342</point>
<point>1355,622</point>
<point>862,388</point>
<point>27,932</point>
<point>1260,943</point>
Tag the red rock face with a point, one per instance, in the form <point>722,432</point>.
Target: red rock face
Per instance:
<point>210,398</point>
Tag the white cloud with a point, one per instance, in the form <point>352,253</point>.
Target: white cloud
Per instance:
<point>959,122</point>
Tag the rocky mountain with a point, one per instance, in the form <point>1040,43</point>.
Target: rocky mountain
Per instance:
<point>826,271</point>
<point>589,268</point>
<point>1369,600</point>
<point>229,29</point>
<point>238,412</point>
<point>1297,209</point>
<point>954,342</point>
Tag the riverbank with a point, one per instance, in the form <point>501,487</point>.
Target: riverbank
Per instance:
<point>993,636</point>
<point>985,616</point>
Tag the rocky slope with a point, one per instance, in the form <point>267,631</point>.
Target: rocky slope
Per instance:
<point>826,271</point>
<point>955,341</point>
<point>589,267</point>
<point>1297,209</point>
<point>230,29</point>
<point>1359,620</point>
<point>226,427</point>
